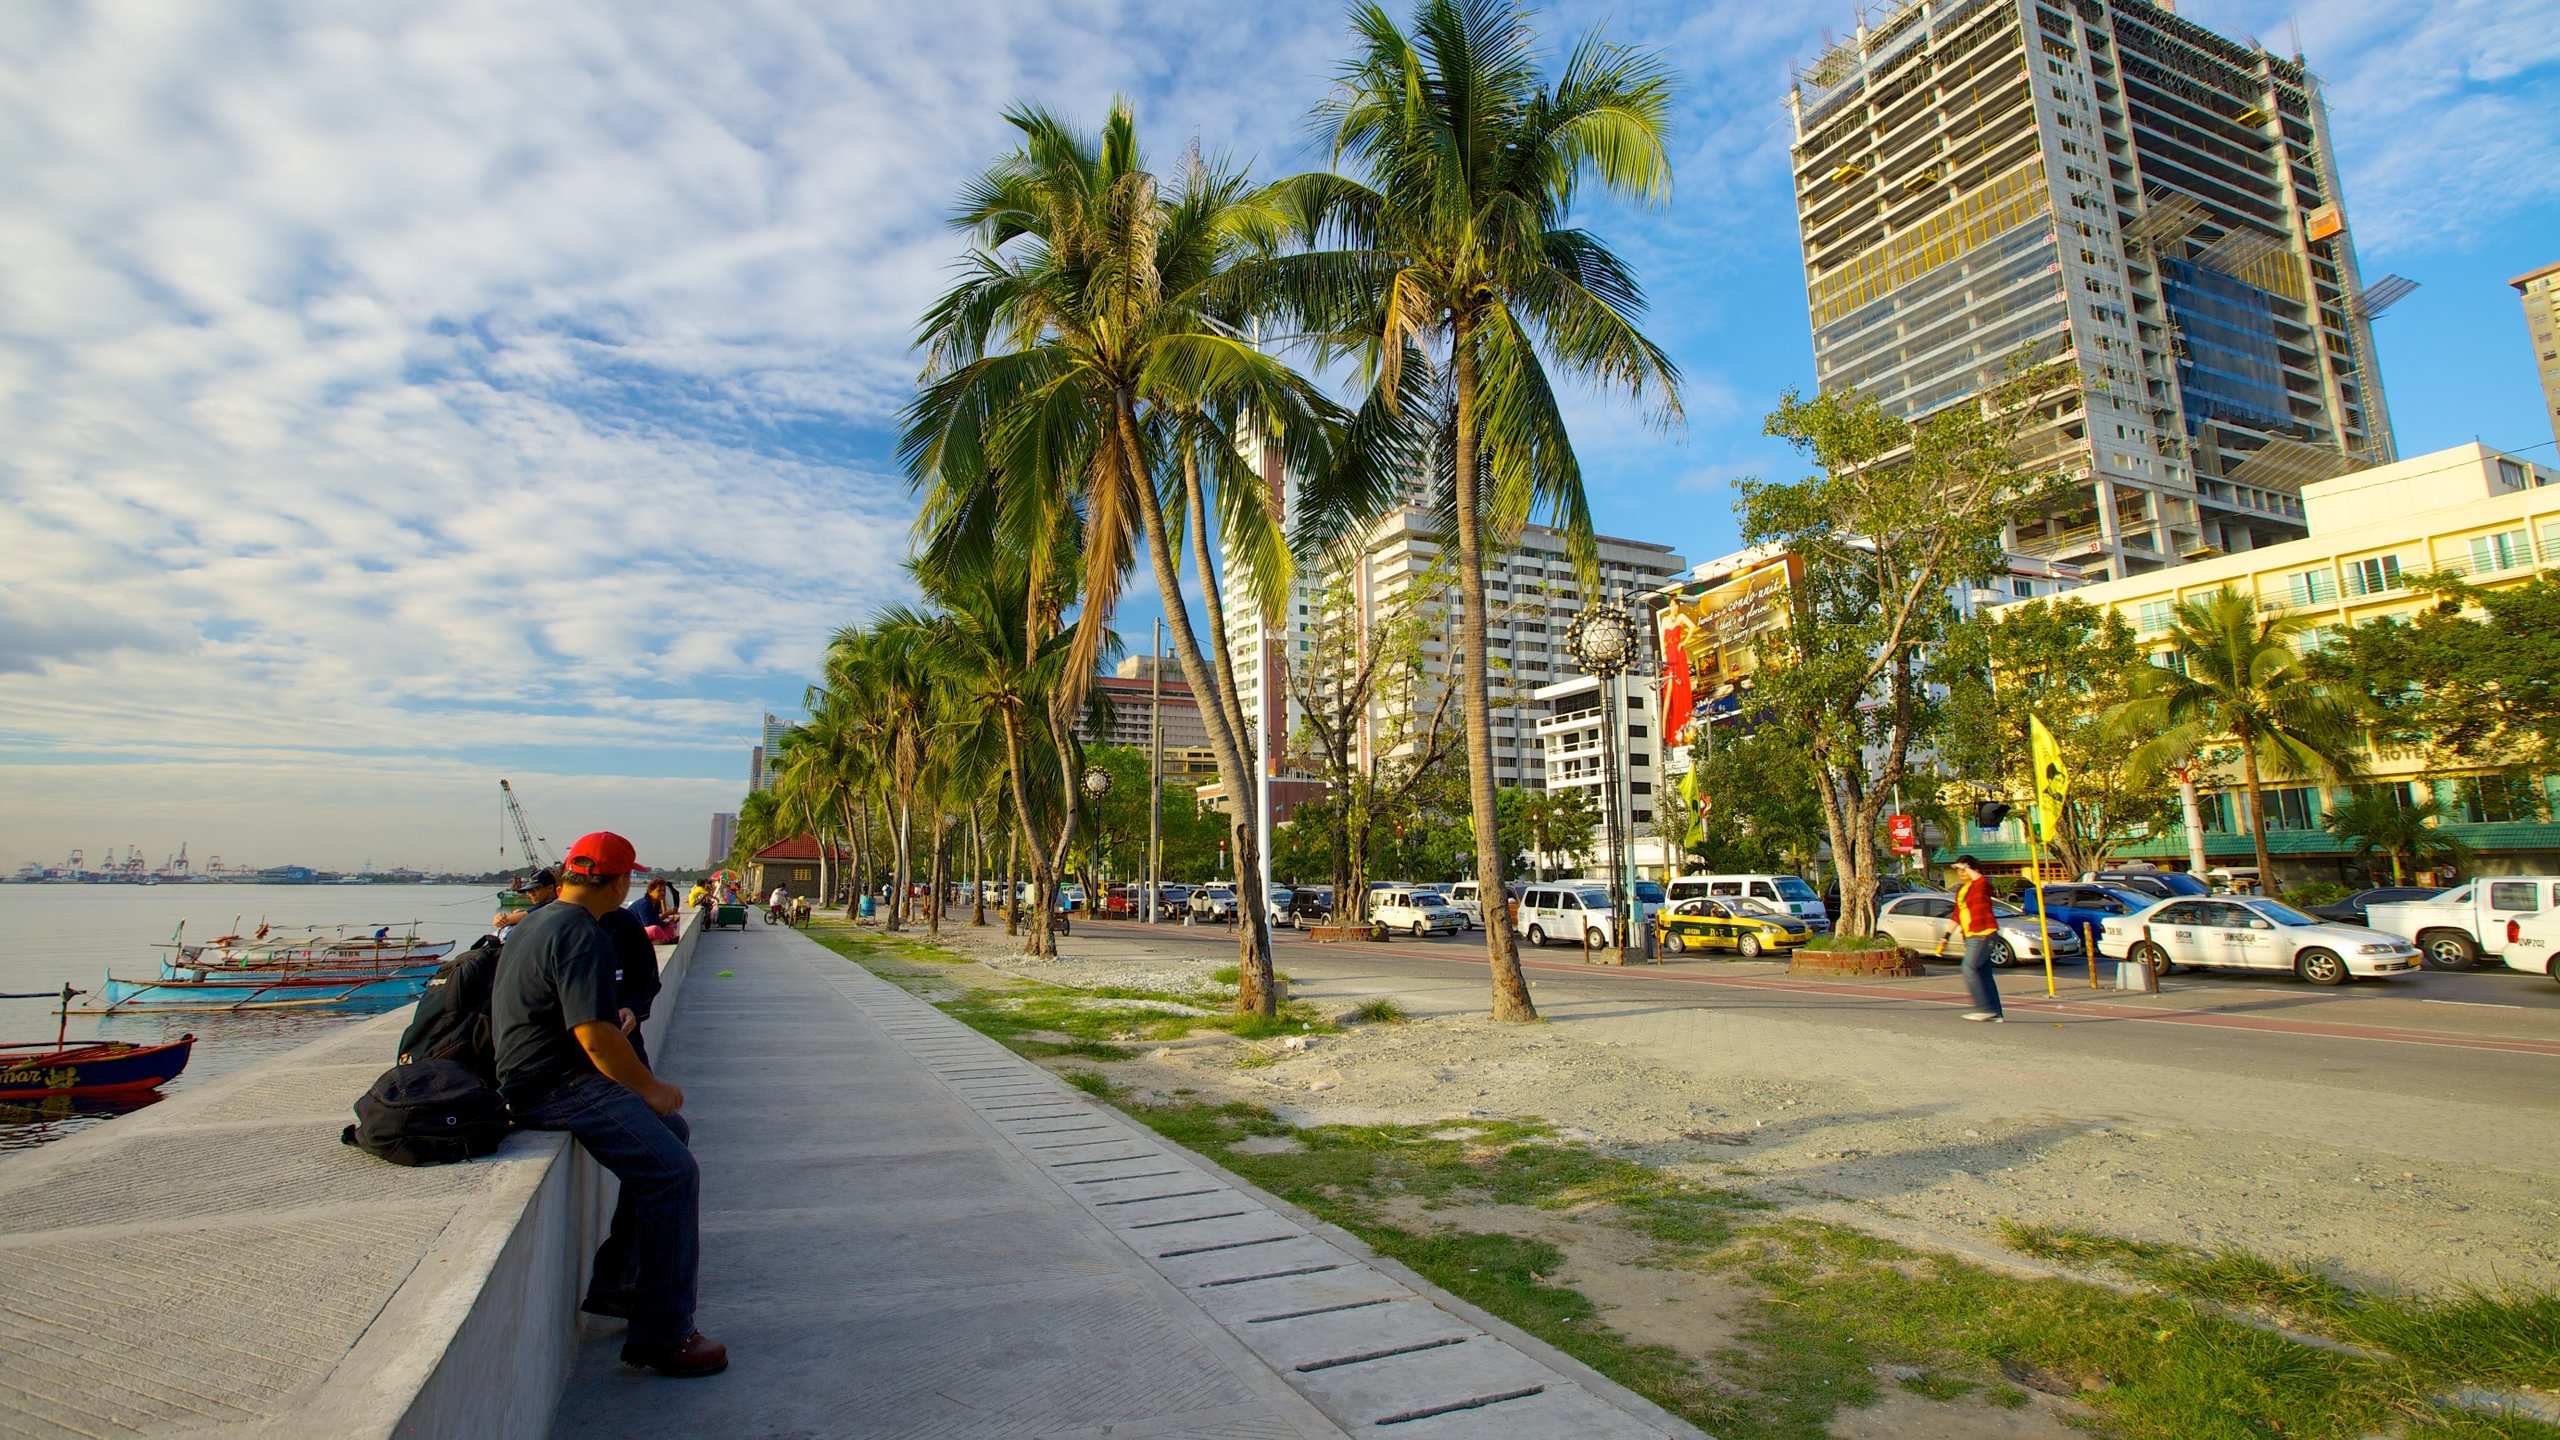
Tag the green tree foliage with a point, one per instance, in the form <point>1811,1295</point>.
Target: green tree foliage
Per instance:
<point>2376,821</point>
<point>2073,666</point>
<point>1894,514</point>
<point>2470,682</point>
<point>1450,238</point>
<point>1748,802</point>
<point>2240,680</point>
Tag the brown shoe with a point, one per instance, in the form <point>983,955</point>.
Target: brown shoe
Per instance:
<point>697,1356</point>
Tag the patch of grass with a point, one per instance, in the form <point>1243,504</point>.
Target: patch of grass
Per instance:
<point>1231,976</point>
<point>1381,1011</point>
<point>1945,1388</point>
<point>1858,943</point>
<point>1256,1060</point>
<point>1091,1082</point>
<point>2473,1336</point>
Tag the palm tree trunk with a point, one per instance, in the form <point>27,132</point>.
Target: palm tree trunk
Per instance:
<point>2257,812</point>
<point>1253,942</point>
<point>1012,906</point>
<point>1253,908</point>
<point>978,864</point>
<point>1502,955</point>
<point>899,871</point>
<point>2194,807</point>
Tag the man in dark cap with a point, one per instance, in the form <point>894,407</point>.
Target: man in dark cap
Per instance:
<point>565,1062</point>
<point>538,891</point>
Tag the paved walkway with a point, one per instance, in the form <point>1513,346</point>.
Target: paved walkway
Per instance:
<point>910,1231</point>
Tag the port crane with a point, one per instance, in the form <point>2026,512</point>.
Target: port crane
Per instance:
<point>535,858</point>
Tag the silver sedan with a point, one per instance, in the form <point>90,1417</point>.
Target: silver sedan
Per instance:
<point>1925,924</point>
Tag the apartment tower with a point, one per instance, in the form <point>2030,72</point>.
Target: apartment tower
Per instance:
<point>2540,291</point>
<point>2104,182</point>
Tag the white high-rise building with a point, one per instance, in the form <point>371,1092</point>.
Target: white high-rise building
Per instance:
<point>1531,592</point>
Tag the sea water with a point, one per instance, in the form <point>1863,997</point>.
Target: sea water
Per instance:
<point>81,933</point>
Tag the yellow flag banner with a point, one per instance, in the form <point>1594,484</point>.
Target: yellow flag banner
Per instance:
<point>2053,783</point>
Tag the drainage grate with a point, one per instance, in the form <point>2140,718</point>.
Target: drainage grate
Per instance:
<point>1407,1417</point>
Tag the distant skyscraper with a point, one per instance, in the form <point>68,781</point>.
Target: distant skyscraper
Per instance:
<point>2541,292</point>
<point>724,835</point>
<point>2102,181</point>
<point>764,764</point>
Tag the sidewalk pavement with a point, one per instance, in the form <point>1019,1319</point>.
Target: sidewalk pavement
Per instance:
<point>910,1231</point>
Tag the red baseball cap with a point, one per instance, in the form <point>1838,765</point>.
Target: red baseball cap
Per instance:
<point>602,856</point>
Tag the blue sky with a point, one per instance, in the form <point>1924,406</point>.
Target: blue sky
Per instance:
<point>404,397</point>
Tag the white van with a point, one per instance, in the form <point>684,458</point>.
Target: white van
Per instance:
<point>1787,892</point>
<point>1467,898</point>
<point>1571,912</point>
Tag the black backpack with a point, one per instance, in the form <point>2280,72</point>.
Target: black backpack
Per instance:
<point>428,1112</point>
<point>452,1021</point>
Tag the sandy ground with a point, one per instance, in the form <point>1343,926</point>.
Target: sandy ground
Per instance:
<point>1926,1138</point>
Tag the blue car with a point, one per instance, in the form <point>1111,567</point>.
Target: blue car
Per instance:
<point>2090,906</point>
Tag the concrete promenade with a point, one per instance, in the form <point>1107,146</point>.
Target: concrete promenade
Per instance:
<point>910,1231</point>
<point>218,1264</point>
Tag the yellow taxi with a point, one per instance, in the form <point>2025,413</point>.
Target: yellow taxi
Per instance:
<point>1742,925</point>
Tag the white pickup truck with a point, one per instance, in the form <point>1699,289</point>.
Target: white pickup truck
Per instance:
<point>2515,918</point>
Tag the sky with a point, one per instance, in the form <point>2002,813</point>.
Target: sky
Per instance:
<point>402,397</point>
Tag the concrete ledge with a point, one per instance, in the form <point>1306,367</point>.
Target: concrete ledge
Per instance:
<point>219,1263</point>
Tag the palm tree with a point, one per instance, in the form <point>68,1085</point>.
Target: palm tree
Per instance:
<point>1450,249</point>
<point>2238,680</point>
<point>2373,820</point>
<point>1092,317</point>
<point>889,671</point>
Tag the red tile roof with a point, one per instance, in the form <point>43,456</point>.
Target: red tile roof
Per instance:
<point>798,847</point>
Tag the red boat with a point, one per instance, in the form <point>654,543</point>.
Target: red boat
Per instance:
<point>40,1069</point>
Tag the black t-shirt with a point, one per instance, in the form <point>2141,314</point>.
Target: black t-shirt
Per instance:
<point>635,962</point>
<point>555,974</point>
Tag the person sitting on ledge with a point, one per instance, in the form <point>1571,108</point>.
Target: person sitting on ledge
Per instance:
<point>565,1062</point>
<point>539,891</point>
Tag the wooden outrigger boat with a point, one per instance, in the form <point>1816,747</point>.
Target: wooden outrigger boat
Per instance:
<point>37,1070</point>
<point>258,992</point>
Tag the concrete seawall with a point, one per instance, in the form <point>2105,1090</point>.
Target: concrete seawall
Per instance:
<point>219,1263</point>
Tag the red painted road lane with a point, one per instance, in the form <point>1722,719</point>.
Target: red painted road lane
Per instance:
<point>2059,1009</point>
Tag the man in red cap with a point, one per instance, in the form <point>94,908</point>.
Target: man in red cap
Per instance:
<point>564,1063</point>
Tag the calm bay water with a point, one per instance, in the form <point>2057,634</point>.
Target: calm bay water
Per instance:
<point>53,933</point>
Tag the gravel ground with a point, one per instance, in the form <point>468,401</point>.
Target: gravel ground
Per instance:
<point>1932,1137</point>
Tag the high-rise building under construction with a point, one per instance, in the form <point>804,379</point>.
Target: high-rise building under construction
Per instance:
<point>2105,182</point>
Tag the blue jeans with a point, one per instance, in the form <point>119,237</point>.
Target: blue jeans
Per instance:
<point>654,1252</point>
<point>1977,972</point>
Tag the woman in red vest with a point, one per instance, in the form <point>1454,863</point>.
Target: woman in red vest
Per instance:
<point>1980,928</point>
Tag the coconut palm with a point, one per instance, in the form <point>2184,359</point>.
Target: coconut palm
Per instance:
<point>1091,317</point>
<point>2236,680</point>
<point>1449,245</point>
<point>2373,821</point>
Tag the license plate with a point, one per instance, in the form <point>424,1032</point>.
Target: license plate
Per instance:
<point>2397,965</point>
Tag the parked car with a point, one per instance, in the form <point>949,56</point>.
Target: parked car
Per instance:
<point>1887,886</point>
<point>1751,927</point>
<point>1925,924</point>
<point>1467,898</point>
<point>1071,897</point>
<point>2148,880</point>
<point>1576,913</point>
<point>2351,911</point>
<point>2515,918</point>
<point>1311,905</point>
<point>2088,907</point>
<point>1416,913</point>
<point>2244,932</point>
<point>1787,892</point>
<point>1212,905</point>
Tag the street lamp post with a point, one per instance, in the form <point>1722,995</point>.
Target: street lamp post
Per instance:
<point>1603,641</point>
<point>1097,783</point>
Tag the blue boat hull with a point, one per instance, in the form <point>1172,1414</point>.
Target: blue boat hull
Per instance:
<point>295,994</point>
